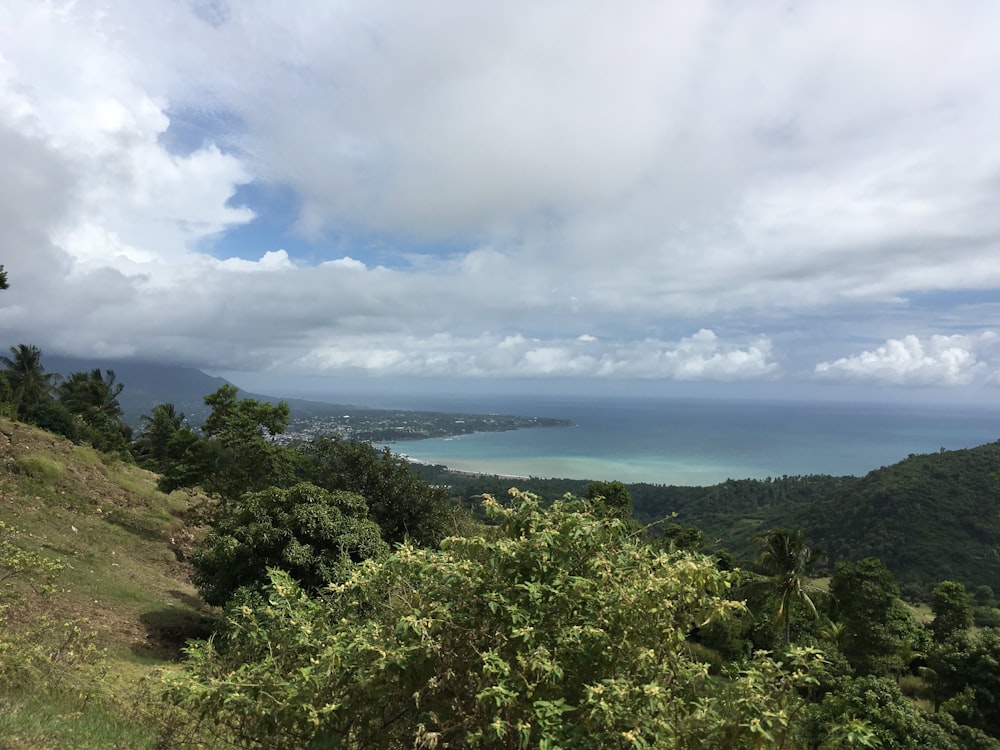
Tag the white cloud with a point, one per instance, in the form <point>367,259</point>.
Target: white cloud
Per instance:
<point>345,262</point>
<point>771,175</point>
<point>272,260</point>
<point>701,356</point>
<point>940,360</point>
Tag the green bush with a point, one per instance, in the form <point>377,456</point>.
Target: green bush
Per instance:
<point>555,628</point>
<point>314,535</point>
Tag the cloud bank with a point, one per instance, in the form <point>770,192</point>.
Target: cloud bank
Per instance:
<point>941,360</point>
<point>688,191</point>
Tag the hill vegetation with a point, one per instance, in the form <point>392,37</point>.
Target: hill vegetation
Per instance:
<point>928,517</point>
<point>361,605</point>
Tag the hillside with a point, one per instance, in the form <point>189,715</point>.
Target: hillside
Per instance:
<point>929,517</point>
<point>122,543</point>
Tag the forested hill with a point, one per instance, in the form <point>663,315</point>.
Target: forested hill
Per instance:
<point>928,517</point>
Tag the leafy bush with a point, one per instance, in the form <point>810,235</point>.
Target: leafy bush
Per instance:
<point>556,628</point>
<point>315,535</point>
<point>986,617</point>
<point>399,500</point>
<point>893,720</point>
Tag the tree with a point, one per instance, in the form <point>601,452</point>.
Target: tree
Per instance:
<point>3,278</point>
<point>7,408</point>
<point>150,445</point>
<point>952,610</point>
<point>877,623</point>
<point>314,535</point>
<point>235,453</point>
<point>247,459</point>
<point>891,720</point>
<point>614,496</point>
<point>399,501</point>
<point>784,558</point>
<point>189,461</point>
<point>92,397</point>
<point>983,596</point>
<point>554,628</point>
<point>967,667</point>
<point>29,382</point>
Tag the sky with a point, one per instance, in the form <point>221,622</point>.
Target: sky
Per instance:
<point>780,196</point>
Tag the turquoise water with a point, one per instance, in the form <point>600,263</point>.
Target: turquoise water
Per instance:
<point>698,442</point>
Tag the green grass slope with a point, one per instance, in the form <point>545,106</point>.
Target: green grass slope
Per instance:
<point>123,546</point>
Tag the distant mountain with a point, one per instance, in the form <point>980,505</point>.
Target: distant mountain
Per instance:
<point>148,384</point>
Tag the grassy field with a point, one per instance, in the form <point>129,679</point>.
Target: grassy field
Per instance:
<point>123,604</point>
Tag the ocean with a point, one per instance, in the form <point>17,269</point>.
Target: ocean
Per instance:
<point>699,441</point>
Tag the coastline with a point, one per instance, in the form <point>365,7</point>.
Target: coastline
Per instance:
<point>464,472</point>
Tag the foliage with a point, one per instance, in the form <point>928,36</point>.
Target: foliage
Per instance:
<point>150,446</point>
<point>890,720</point>
<point>986,617</point>
<point>399,500</point>
<point>983,596</point>
<point>526,635</point>
<point>188,460</point>
<point>678,536</point>
<point>784,559</point>
<point>92,398</point>
<point>928,518</point>
<point>7,408</point>
<point>235,453</point>
<point>876,623</point>
<point>3,278</point>
<point>314,535</point>
<point>952,608</point>
<point>29,382</point>
<point>968,667</point>
<point>614,496</point>
<point>51,416</point>
<point>247,460</point>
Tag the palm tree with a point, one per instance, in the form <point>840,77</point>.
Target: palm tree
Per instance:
<point>92,397</point>
<point>150,446</point>
<point>784,557</point>
<point>28,380</point>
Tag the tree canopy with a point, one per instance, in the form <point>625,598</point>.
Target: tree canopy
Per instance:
<point>314,535</point>
<point>235,453</point>
<point>30,383</point>
<point>399,501</point>
<point>784,558</point>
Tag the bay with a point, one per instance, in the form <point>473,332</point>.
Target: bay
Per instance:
<point>700,441</point>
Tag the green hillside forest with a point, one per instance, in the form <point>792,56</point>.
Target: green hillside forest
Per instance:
<point>212,586</point>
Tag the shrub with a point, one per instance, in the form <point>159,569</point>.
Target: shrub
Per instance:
<point>556,628</point>
<point>315,535</point>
